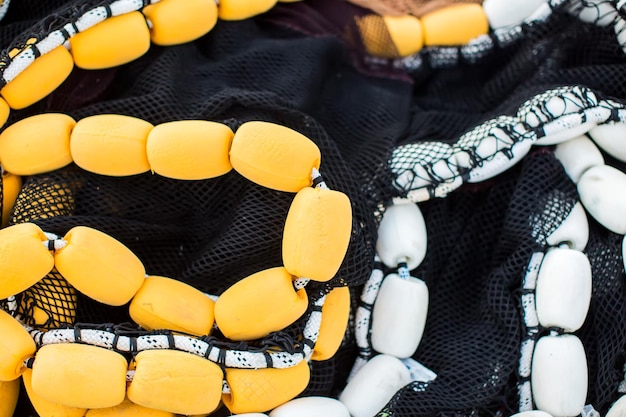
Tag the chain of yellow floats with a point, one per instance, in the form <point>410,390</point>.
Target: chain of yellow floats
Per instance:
<point>79,379</point>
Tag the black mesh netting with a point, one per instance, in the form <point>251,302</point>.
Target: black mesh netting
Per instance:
<point>303,65</point>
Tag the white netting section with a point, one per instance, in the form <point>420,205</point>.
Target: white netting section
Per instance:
<point>504,132</point>
<point>552,104</point>
<point>425,170</point>
<point>492,148</point>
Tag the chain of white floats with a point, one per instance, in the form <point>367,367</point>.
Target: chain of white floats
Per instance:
<point>556,288</point>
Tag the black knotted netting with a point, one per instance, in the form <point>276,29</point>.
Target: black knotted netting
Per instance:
<point>305,66</point>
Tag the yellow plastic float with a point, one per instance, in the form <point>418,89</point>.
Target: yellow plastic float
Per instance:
<point>190,149</point>
<point>9,394</point>
<point>405,32</point>
<point>39,79</point>
<point>111,144</point>
<point>46,408</point>
<point>243,9</point>
<point>37,144</point>
<point>259,304</point>
<point>18,346</point>
<point>128,409</point>
<point>454,25</point>
<point>79,376</point>
<point>15,242</point>
<point>317,233</point>
<point>180,21</point>
<point>111,43</point>
<point>255,390</point>
<point>11,186</point>
<point>175,381</point>
<point>4,111</point>
<point>335,315</point>
<point>274,156</point>
<point>99,266</point>
<point>165,303</point>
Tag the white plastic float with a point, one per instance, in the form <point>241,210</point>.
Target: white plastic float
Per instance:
<point>563,290</point>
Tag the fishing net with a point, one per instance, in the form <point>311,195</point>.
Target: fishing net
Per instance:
<point>305,66</point>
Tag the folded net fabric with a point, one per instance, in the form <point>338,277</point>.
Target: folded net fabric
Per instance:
<point>303,66</point>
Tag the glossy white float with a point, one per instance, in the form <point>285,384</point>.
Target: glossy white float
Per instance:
<point>399,316</point>
<point>374,385</point>
<point>532,413</point>
<point>502,13</point>
<point>618,409</point>
<point>602,190</point>
<point>611,137</point>
<point>559,375</point>
<point>402,236</point>
<point>563,290</point>
<point>250,415</point>
<point>577,156</point>
<point>311,407</point>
